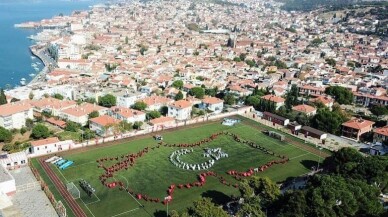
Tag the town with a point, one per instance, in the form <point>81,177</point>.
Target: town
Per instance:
<point>122,70</point>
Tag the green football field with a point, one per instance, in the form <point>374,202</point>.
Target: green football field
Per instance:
<point>153,173</point>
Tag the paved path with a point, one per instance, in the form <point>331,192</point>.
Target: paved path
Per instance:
<point>77,210</point>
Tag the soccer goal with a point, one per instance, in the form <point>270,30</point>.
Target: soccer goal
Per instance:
<point>72,188</point>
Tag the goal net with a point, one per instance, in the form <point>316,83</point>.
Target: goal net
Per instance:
<point>72,188</point>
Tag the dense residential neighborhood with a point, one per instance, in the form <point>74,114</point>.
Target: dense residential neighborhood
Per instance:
<point>128,69</point>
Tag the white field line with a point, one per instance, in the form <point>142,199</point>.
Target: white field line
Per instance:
<point>87,208</point>
<point>125,212</point>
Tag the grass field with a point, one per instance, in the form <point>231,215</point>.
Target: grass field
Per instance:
<point>154,173</point>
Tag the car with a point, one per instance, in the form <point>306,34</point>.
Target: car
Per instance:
<point>158,137</point>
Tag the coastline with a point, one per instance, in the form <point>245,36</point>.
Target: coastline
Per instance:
<point>39,53</point>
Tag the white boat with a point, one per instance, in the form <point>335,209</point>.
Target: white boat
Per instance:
<point>36,69</point>
<point>32,75</point>
<point>34,65</point>
<point>38,63</point>
<point>23,81</point>
<point>33,57</point>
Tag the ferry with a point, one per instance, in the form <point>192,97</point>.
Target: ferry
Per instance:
<point>23,81</point>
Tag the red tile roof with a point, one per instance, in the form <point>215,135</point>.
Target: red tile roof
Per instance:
<point>104,120</point>
<point>273,98</point>
<point>304,108</point>
<point>45,141</point>
<point>382,131</point>
<point>13,108</point>
<point>181,104</point>
<point>358,123</point>
<point>212,100</point>
<point>161,120</point>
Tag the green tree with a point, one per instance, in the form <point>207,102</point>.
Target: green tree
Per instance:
<point>292,97</point>
<point>178,96</point>
<point>88,134</point>
<point>331,61</point>
<point>125,126</point>
<point>252,101</point>
<point>153,114</point>
<point>107,101</point>
<point>328,121</point>
<point>40,131</point>
<point>197,92</point>
<point>178,84</point>
<point>72,126</point>
<point>140,106</point>
<point>137,125</point>
<point>93,114</point>
<point>205,208</point>
<point>250,63</point>
<point>229,99</point>
<point>379,110</point>
<point>3,98</point>
<point>163,110</point>
<point>251,207</point>
<point>211,91</point>
<point>340,94</point>
<point>31,95</point>
<point>58,96</point>
<point>5,135</point>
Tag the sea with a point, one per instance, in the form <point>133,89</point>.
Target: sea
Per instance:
<point>16,61</point>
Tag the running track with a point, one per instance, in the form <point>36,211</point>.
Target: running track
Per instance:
<point>77,210</point>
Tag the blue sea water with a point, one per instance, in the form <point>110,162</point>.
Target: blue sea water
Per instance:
<point>15,57</point>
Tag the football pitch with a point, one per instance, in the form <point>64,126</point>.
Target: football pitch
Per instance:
<point>142,166</point>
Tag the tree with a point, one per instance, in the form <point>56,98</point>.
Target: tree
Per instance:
<point>197,92</point>
<point>153,114</point>
<point>251,207</point>
<point>178,84</point>
<point>107,101</point>
<point>125,126</point>
<point>229,99</point>
<point>40,131</point>
<point>88,134</point>
<point>340,94</point>
<point>250,63</point>
<point>93,114</point>
<point>211,91</point>
<point>178,96</point>
<point>328,121</point>
<point>163,110</point>
<point>72,126</point>
<point>126,39</point>
<point>205,208</point>
<point>58,96</point>
<point>331,62</point>
<point>140,106</point>
<point>379,110</point>
<point>292,97</point>
<point>5,135</point>
<point>3,98</point>
<point>243,56</point>
<point>253,101</point>
<point>137,125</point>
<point>15,100</point>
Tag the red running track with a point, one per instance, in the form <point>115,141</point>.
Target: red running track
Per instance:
<point>77,210</point>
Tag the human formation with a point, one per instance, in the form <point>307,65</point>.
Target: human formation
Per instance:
<point>124,162</point>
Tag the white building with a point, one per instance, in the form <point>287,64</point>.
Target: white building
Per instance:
<point>126,114</point>
<point>14,115</point>
<point>103,125</point>
<point>213,104</point>
<point>80,114</point>
<point>128,99</point>
<point>180,110</point>
<point>14,160</point>
<point>49,146</point>
<point>7,183</point>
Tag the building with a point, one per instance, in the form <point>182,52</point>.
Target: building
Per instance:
<point>180,110</point>
<point>104,125</point>
<point>14,160</point>
<point>80,114</point>
<point>212,104</point>
<point>305,109</point>
<point>52,105</point>
<point>128,99</point>
<point>49,146</point>
<point>14,115</point>
<point>162,122</point>
<point>380,135</point>
<point>7,183</point>
<point>312,132</point>
<point>275,119</point>
<point>354,128</point>
<point>156,102</point>
<point>309,90</point>
<point>126,114</point>
<point>325,100</point>
<point>278,101</point>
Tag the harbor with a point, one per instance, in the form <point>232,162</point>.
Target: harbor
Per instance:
<point>41,53</point>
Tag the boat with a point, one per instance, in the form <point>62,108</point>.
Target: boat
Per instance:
<point>32,75</point>
<point>34,65</point>
<point>36,69</point>
<point>23,81</point>
<point>33,57</point>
